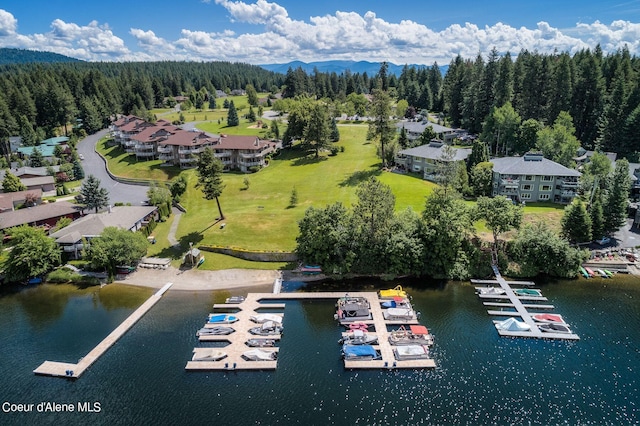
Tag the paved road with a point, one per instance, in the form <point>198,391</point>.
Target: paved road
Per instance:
<point>94,165</point>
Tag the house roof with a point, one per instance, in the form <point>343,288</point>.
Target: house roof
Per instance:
<point>37,181</point>
<point>91,225</point>
<point>185,138</point>
<point>540,166</point>
<point>55,141</point>
<point>9,199</point>
<point>242,142</point>
<point>433,151</point>
<point>28,171</point>
<point>633,167</point>
<point>36,214</point>
<point>419,126</point>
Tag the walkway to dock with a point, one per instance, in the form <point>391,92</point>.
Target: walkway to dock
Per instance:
<point>515,302</point>
<point>257,301</point>
<point>69,370</point>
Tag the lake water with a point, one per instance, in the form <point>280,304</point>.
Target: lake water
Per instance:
<point>481,378</point>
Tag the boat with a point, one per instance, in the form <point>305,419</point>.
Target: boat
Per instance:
<point>359,353</point>
<point>415,335</point>
<point>358,326</point>
<point>602,273</point>
<point>404,353</point>
<point>512,324</point>
<point>261,343</point>
<point>222,319</point>
<point>208,354</point>
<point>490,290</point>
<point>215,331</point>
<point>311,269</point>
<point>397,291</point>
<point>396,302</point>
<point>353,309</point>
<point>549,318</point>
<point>399,314</point>
<point>234,300</point>
<point>584,272</point>
<point>359,337</point>
<point>262,318</point>
<point>200,262</point>
<point>269,328</point>
<point>260,355</point>
<point>531,292</point>
<point>590,272</point>
<point>555,328</point>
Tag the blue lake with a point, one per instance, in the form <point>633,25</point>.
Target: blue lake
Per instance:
<point>481,378</point>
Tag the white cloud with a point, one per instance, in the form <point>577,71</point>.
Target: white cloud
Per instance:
<point>341,35</point>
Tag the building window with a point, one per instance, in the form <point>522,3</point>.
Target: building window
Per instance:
<point>528,177</point>
<point>546,188</point>
<point>547,178</point>
<point>527,187</point>
<point>526,196</point>
<point>543,197</point>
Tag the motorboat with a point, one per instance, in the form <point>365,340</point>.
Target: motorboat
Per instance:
<point>261,343</point>
<point>529,292</point>
<point>403,353</point>
<point>262,318</point>
<point>397,291</point>
<point>215,331</point>
<point>555,328</point>
<point>208,354</point>
<point>311,269</point>
<point>399,314</point>
<point>260,355</point>
<point>512,324</point>
<point>359,352</point>
<point>494,291</point>
<point>234,300</point>
<point>396,302</point>
<point>548,318</point>
<point>222,319</point>
<point>353,309</point>
<point>415,335</point>
<point>358,337</point>
<point>269,328</point>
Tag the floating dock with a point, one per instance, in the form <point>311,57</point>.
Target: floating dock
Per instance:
<point>70,370</point>
<point>254,302</point>
<point>518,309</point>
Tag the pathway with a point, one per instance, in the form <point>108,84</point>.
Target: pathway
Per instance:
<point>177,214</point>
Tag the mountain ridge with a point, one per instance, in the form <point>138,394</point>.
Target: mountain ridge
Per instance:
<point>339,66</point>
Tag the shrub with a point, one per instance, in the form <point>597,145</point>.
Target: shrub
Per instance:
<point>342,148</point>
<point>334,150</point>
<point>254,169</point>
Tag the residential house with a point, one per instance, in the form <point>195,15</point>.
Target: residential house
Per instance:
<point>47,148</point>
<point>584,156</point>
<point>70,239</point>
<point>182,147</point>
<point>243,152</point>
<point>534,178</point>
<point>415,129</point>
<point>10,201</point>
<point>425,158</point>
<point>46,215</point>
<point>45,183</point>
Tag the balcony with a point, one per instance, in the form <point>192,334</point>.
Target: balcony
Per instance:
<point>145,154</point>
<point>252,155</point>
<point>166,157</point>
<point>165,150</point>
<point>569,183</point>
<point>189,151</point>
<point>510,183</point>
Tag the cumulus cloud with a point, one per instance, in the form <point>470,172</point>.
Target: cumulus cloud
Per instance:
<point>341,35</point>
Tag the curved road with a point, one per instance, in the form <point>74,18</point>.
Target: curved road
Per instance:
<point>94,165</point>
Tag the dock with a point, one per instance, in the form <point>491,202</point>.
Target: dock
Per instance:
<point>73,371</point>
<point>254,302</point>
<point>516,308</point>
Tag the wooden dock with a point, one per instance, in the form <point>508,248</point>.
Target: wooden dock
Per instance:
<point>70,370</point>
<point>254,302</point>
<point>519,309</point>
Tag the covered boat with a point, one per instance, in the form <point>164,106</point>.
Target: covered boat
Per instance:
<point>555,328</point>
<point>261,343</point>
<point>399,314</point>
<point>532,292</point>
<point>269,328</point>
<point>358,337</point>
<point>233,300</point>
<point>490,290</point>
<point>215,331</point>
<point>396,302</point>
<point>222,319</point>
<point>415,335</point>
<point>359,352</point>
<point>397,291</point>
<point>260,355</point>
<point>548,318</point>
<point>403,353</point>
<point>353,309</point>
<point>208,354</point>
<point>512,324</point>
<point>262,318</point>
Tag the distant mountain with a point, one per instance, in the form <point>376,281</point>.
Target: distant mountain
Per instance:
<point>371,68</point>
<point>20,56</point>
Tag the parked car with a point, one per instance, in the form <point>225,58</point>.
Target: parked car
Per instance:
<point>603,241</point>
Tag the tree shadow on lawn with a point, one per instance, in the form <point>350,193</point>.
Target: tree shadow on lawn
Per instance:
<point>308,159</point>
<point>355,178</point>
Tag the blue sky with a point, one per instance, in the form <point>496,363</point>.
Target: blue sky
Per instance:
<point>279,31</point>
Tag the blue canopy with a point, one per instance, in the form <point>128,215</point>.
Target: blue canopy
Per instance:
<point>359,351</point>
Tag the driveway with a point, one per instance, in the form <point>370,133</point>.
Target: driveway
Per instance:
<point>94,165</point>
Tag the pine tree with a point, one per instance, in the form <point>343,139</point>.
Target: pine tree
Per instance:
<point>576,223</point>
<point>334,135</point>
<point>403,140</point>
<point>293,199</point>
<point>232,116</point>
<point>210,177</point>
<point>316,133</point>
<point>615,207</point>
<point>78,171</point>
<point>11,183</point>
<point>94,196</point>
<point>380,127</point>
<point>597,216</point>
<point>251,115</point>
<point>36,159</point>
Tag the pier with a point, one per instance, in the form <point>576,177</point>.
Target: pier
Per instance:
<point>254,302</point>
<point>518,309</point>
<point>70,370</point>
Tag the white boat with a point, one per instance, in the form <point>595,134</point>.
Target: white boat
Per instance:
<point>214,331</point>
<point>408,352</point>
<point>261,343</point>
<point>512,324</point>
<point>497,291</point>
<point>262,318</point>
<point>399,314</point>
<point>416,335</point>
<point>234,300</point>
<point>527,292</point>
<point>358,337</point>
<point>549,318</point>
<point>555,328</point>
<point>269,328</point>
<point>208,354</point>
<point>260,355</point>
<point>222,319</point>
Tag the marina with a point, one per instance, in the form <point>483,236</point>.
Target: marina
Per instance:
<point>528,326</point>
